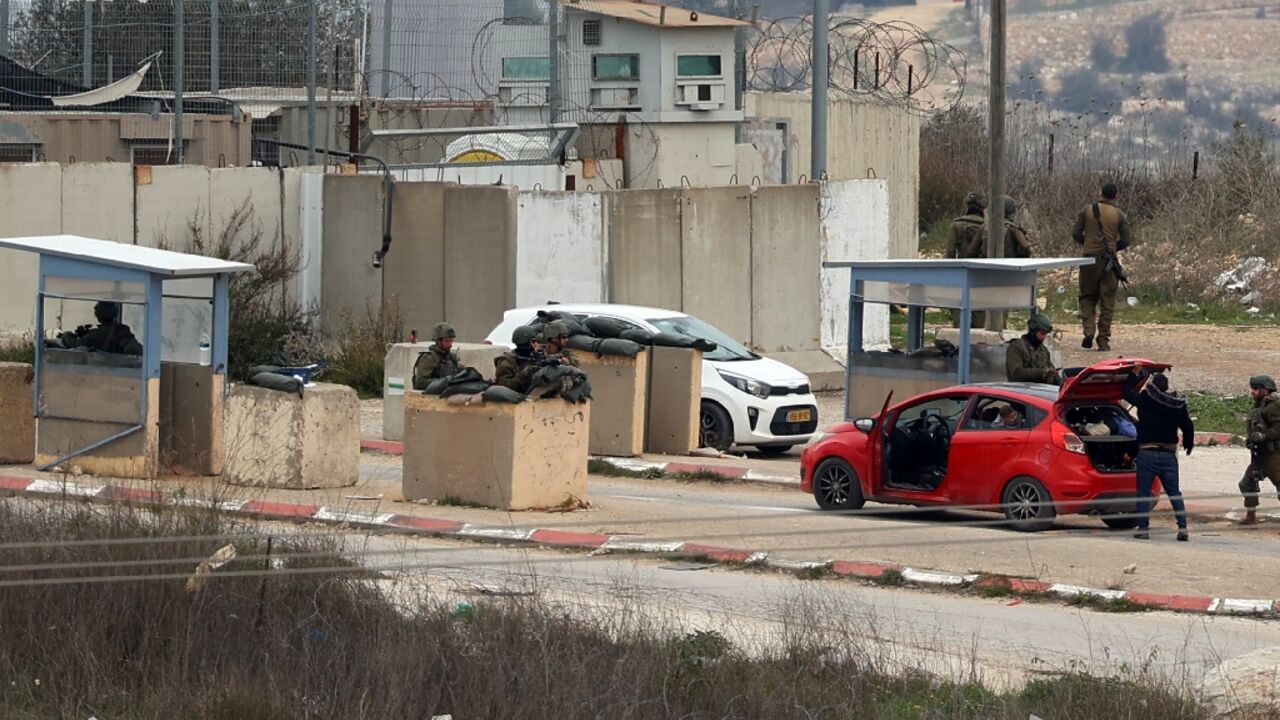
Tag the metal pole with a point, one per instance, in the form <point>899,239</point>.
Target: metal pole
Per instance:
<point>215,47</point>
<point>995,202</point>
<point>739,66</point>
<point>179,77</point>
<point>4,27</point>
<point>386,48</point>
<point>818,161</point>
<point>311,82</point>
<point>553,55</point>
<point>86,55</point>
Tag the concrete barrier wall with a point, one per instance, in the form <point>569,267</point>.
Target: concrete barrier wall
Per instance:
<point>559,248</point>
<point>414,272</point>
<point>171,200</point>
<point>785,269</point>
<point>644,248</point>
<point>97,201</point>
<point>353,211</point>
<point>855,226</point>
<point>235,193</point>
<point>30,204</point>
<point>479,257</point>
<point>715,235</point>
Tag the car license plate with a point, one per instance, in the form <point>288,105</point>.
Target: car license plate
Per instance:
<point>799,416</point>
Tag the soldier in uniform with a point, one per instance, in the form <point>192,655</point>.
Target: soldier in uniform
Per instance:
<point>1263,441</point>
<point>1016,244</point>
<point>439,360</point>
<point>965,239</point>
<point>515,369</point>
<point>556,336</point>
<point>1101,229</point>
<point>1027,359</point>
<point>111,335</point>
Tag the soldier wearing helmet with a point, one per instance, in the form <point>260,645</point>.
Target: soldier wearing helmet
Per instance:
<point>1016,243</point>
<point>1263,440</point>
<point>1027,359</point>
<point>439,360</point>
<point>965,236</point>
<point>515,369</point>
<point>556,336</point>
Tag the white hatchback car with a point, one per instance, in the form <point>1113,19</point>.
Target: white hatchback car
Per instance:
<point>746,399</point>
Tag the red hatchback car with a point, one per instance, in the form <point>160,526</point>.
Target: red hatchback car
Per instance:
<point>1030,450</point>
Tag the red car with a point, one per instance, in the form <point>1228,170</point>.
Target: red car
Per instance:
<point>1030,450</point>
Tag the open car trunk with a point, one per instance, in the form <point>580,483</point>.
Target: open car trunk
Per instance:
<point>1104,429</point>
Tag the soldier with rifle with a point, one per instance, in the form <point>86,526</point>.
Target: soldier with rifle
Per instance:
<point>1263,442</point>
<point>1102,230</point>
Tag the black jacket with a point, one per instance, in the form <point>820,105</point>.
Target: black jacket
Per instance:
<point>1160,414</point>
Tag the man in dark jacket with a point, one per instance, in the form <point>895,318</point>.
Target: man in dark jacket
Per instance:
<point>1161,414</point>
<point>1027,359</point>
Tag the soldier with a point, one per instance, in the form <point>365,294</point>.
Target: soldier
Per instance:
<point>439,360</point>
<point>966,238</point>
<point>556,336</point>
<point>111,335</point>
<point>1101,230</point>
<point>515,369</point>
<point>1027,359</point>
<point>1016,244</point>
<point>1263,441</point>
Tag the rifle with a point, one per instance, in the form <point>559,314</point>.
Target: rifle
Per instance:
<point>1113,261</point>
<point>541,359</point>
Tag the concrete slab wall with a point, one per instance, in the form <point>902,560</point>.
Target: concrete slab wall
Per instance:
<point>414,272</point>
<point>30,204</point>
<point>715,243</point>
<point>255,192</point>
<point>644,248</point>
<point>291,202</point>
<point>171,200</point>
<point>559,248</point>
<point>97,201</point>
<point>480,255</point>
<point>785,268</point>
<point>353,211</point>
<point>855,226</point>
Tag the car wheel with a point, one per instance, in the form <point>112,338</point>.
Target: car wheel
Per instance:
<point>1027,505</point>
<point>836,486</point>
<point>1120,522</point>
<point>715,427</point>
<point>773,449</point>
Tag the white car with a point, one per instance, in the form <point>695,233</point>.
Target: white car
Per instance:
<point>746,399</point>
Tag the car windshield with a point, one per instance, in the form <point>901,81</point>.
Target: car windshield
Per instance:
<point>727,348</point>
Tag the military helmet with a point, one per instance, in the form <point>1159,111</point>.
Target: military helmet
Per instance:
<point>524,335</point>
<point>1010,206</point>
<point>974,199</point>
<point>1262,381</point>
<point>1040,321</point>
<point>443,330</point>
<point>554,329</point>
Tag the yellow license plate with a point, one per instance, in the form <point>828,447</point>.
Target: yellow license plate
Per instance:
<point>799,416</point>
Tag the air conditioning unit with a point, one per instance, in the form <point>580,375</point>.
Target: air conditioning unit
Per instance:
<point>700,96</point>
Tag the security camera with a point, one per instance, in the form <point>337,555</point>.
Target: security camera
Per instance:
<point>377,260</point>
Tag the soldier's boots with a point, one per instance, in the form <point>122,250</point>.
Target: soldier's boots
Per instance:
<point>1104,346</point>
<point>1087,342</point>
<point>1250,517</point>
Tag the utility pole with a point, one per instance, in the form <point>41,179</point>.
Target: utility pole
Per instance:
<point>386,48</point>
<point>215,47</point>
<point>86,53</point>
<point>995,198</point>
<point>820,61</point>
<point>179,76</point>
<point>553,57</point>
<point>4,27</point>
<point>311,82</point>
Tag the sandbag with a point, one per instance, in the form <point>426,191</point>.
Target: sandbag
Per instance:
<point>465,399</point>
<point>465,388</point>
<point>571,321</point>
<point>498,393</point>
<point>683,341</point>
<point>603,327</point>
<point>275,381</point>
<point>638,335</point>
<point>585,343</point>
<point>259,369</point>
<point>615,346</point>
<point>437,386</point>
<point>563,381</point>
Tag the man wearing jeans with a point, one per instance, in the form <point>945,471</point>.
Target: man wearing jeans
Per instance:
<point>1161,414</point>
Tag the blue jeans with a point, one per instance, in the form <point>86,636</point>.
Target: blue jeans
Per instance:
<point>1153,464</point>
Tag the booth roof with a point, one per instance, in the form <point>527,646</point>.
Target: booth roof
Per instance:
<point>1006,264</point>
<point>135,257</point>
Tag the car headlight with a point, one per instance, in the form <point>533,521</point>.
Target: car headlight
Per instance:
<point>747,385</point>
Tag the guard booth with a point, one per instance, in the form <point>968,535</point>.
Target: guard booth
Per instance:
<point>966,286</point>
<point>121,408</point>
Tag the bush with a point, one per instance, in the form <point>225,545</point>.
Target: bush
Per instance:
<point>359,349</point>
<point>22,350</point>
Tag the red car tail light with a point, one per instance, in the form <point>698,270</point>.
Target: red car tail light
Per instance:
<point>1067,440</point>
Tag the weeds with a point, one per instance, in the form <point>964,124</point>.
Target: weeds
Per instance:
<point>596,466</point>
<point>22,350</point>
<point>816,572</point>
<point>891,577</point>
<point>359,348</point>
<point>454,501</point>
<point>1219,414</point>
<point>1107,604</point>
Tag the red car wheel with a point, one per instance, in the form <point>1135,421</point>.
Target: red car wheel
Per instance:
<point>1027,505</point>
<point>836,486</point>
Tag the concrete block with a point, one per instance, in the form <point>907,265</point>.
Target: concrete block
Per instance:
<point>17,425</point>
<point>480,256</point>
<point>81,406</point>
<point>414,276</point>
<point>397,377</point>
<point>172,204</point>
<point>97,200</point>
<point>619,391</point>
<point>276,439</point>
<point>30,204</point>
<point>855,226</point>
<point>644,248</point>
<point>353,212</point>
<point>715,240</point>
<point>559,248</point>
<point>508,456</point>
<point>825,373</point>
<point>785,269</point>
<point>191,419</point>
<point>675,400</point>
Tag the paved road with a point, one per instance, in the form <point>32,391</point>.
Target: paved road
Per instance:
<point>943,633</point>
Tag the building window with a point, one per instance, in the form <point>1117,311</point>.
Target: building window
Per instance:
<point>591,33</point>
<point>615,67</point>
<point>153,154</point>
<point>19,153</point>
<point>526,68</point>
<point>698,66</point>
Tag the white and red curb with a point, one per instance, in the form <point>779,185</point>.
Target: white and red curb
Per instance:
<point>263,510</point>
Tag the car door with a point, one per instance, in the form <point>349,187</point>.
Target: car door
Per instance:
<point>915,454</point>
<point>986,446</point>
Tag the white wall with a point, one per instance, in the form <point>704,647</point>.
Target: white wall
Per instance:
<point>855,226</point>
<point>559,248</point>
